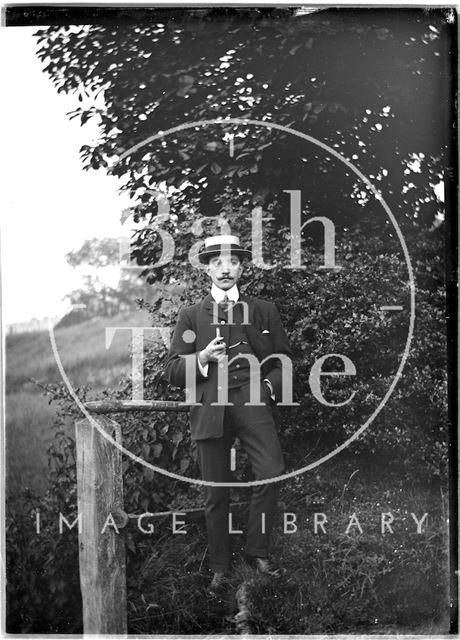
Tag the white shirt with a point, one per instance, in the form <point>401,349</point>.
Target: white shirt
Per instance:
<point>219,294</point>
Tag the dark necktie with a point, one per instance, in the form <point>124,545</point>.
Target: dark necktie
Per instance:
<point>226,303</point>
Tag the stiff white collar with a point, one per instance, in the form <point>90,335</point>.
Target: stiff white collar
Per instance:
<point>219,294</point>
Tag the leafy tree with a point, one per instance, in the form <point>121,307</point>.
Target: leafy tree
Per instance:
<point>96,298</point>
<point>373,85</point>
<point>368,83</point>
<point>97,253</point>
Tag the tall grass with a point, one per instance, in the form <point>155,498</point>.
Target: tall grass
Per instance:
<point>85,359</point>
<point>333,582</point>
<point>29,431</point>
<point>81,349</point>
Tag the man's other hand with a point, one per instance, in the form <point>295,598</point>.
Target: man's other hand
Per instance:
<point>213,352</point>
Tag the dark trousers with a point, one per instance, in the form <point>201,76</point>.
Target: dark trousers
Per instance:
<point>256,430</point>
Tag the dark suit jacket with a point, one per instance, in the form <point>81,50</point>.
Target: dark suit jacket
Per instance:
<point>265,334</point>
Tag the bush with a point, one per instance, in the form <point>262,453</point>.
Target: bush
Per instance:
<point>43,590</point>
<point>406,442</point>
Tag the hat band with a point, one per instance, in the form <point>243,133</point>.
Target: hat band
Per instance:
<point>222,248</point>
<point>216,240</point>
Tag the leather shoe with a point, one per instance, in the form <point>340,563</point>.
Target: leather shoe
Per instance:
<point>263,565</point>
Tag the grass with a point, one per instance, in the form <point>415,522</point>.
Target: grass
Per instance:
<point>28,433</point>
<point>81,349</point>
<point>333,583</point>
<point>336,582</point>
<point>29,356</point>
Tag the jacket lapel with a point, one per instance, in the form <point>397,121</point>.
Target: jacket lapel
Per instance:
<point>250,302</point>
<point>212,308</point>
<point>206,304</point>
<point>252,331</point>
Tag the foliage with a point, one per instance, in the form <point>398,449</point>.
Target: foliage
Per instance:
<point>96,252</point>
<point>97,298</point>
<point>368,583</point>
<point>346,581</point>
<point>332,75</point>
<point>349,78</point>
<point>339,313</point>
<point>358,582</point>
<point>343,566</point>
<point>42,564</point>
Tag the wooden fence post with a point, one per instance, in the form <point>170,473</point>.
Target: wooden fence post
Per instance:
<point>101,548</point>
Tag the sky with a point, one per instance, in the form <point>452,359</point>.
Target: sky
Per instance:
<point>49,205</point>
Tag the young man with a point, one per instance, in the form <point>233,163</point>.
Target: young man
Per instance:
<point>215,344</point>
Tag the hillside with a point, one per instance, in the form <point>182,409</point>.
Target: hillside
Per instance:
<point>81,349</point>
<point>30,356</point>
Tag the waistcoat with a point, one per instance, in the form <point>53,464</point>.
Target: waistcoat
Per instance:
<point>238,369</point>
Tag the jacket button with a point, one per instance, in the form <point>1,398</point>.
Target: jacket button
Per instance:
<point>238,366</point>
<point>222,322</point>
<point>221,366</point>
<point>219,388</point>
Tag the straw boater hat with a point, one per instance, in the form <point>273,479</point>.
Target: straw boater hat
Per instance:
<point>216,245</point>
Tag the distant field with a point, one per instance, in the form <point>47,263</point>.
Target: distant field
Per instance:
<point>81,349</point>
<point>85,359</point>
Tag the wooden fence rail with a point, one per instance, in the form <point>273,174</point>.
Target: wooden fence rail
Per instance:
<point>100,504</point>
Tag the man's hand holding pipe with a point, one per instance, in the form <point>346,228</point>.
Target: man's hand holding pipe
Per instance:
<point>213,352</point>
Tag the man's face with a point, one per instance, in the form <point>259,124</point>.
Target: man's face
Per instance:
<point>224,271</point>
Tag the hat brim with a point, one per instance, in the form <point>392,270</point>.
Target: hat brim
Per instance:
<point>205,255</point>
